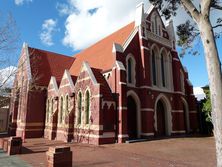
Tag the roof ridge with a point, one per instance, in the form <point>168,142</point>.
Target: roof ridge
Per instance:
<point>52,52</point>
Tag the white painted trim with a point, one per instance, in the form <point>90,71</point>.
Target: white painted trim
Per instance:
<point>121,108</point>
<point>150,9</point>
<point>139,17</point>
<point>117,48</point>
<point>83,79</point>
<point>123,135</point>
<point>147,134</point>
<point>25,46</point>
<point>54,84</point>
<point>177,111</point>
<point>90,73</point>
<point>69,79</point>
<point>130,38</point>
<point>176,59</point>
<point>144,47</point>
<point>147,109</point>
<point>178,131</point>
<point>122,83</point>
<point>120,65</point>
<point>98,95</point>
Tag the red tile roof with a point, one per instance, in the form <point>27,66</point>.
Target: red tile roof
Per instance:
<point>100,54</point>
<point>45,64</point>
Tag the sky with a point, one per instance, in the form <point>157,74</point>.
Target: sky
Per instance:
<point>68,26</point>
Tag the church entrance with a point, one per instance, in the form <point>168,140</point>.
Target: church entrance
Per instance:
<point>131,118</point>
<point>160,111</point>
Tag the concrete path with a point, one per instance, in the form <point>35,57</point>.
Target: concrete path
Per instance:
<point>173,152</point>
<point>11,161</point>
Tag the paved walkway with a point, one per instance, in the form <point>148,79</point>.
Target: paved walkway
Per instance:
<point>11,161</point>
<point>174,152</point>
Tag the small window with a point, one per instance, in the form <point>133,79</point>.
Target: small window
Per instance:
<point>163,71</point>
<point>182,81</point>
<point>87,104</point>
<point>67,104</point>
<point>131,67</point>
<point>61,110</point>
<point>79,108</point>
<point>129,70</point>
<point>154,67</point>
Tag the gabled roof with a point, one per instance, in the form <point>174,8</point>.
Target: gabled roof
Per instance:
<point>104,87</point>
<point>100,54</point>
<point>45,64</point>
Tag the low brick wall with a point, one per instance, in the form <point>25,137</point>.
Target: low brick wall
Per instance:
<point>59,156</point>
<point>14,145</point>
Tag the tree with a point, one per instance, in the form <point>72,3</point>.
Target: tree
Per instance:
<point>9,40</point>
<point>202,26</point>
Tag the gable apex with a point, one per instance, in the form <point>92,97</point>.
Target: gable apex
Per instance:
<point>53,83</point>
<point>67,76</point>
<point>86,67</point>
<point>139,14</point>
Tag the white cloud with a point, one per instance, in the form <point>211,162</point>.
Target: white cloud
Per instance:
<point>48,28</point>
<point>21,2</point>
<point>84,28</point>
<point>7,76</point>
<point>199,93</point>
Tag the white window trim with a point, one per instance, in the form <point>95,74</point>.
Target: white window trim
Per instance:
<point>133,72</point>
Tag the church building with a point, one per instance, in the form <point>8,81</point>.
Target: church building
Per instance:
<point>129,85</point>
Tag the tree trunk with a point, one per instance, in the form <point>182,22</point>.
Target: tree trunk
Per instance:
<point>215,81</point>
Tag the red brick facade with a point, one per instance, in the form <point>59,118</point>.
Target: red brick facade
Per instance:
<point>129,85</point>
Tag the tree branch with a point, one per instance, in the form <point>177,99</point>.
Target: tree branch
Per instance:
<point>217,7</point>
<point>205,7</point>
<point>218,25</point>
<point>190,8</point>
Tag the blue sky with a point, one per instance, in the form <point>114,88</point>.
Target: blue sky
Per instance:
<point>67,26</point>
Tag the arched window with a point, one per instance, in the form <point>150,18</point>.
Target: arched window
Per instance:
<point>67,104</point>
<point>79,108</point>
<point>47,110</point>
<point>129,70</point>
<point>163,71</point>
<point>156,26</point>
<point>154,78</point>
<point>182,81</point>
<point>131,66</point>
<point>61,110</point>
<point>87,104</point>
<point>153,26</point>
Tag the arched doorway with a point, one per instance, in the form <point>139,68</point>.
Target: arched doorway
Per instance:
<point>132,118</point>
<point>161,124</point>
<point>186,115</point>
<point>162,116</point>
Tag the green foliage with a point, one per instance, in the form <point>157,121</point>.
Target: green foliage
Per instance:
<point>207,106</point>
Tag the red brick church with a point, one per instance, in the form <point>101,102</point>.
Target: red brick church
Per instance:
<point>129,85</point>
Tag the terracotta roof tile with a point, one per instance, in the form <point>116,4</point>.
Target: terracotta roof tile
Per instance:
<point>45,64</point>
<point>100,54</point>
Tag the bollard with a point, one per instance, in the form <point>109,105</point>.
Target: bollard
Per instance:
<point>14,145</point>
<point>59,156</point>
